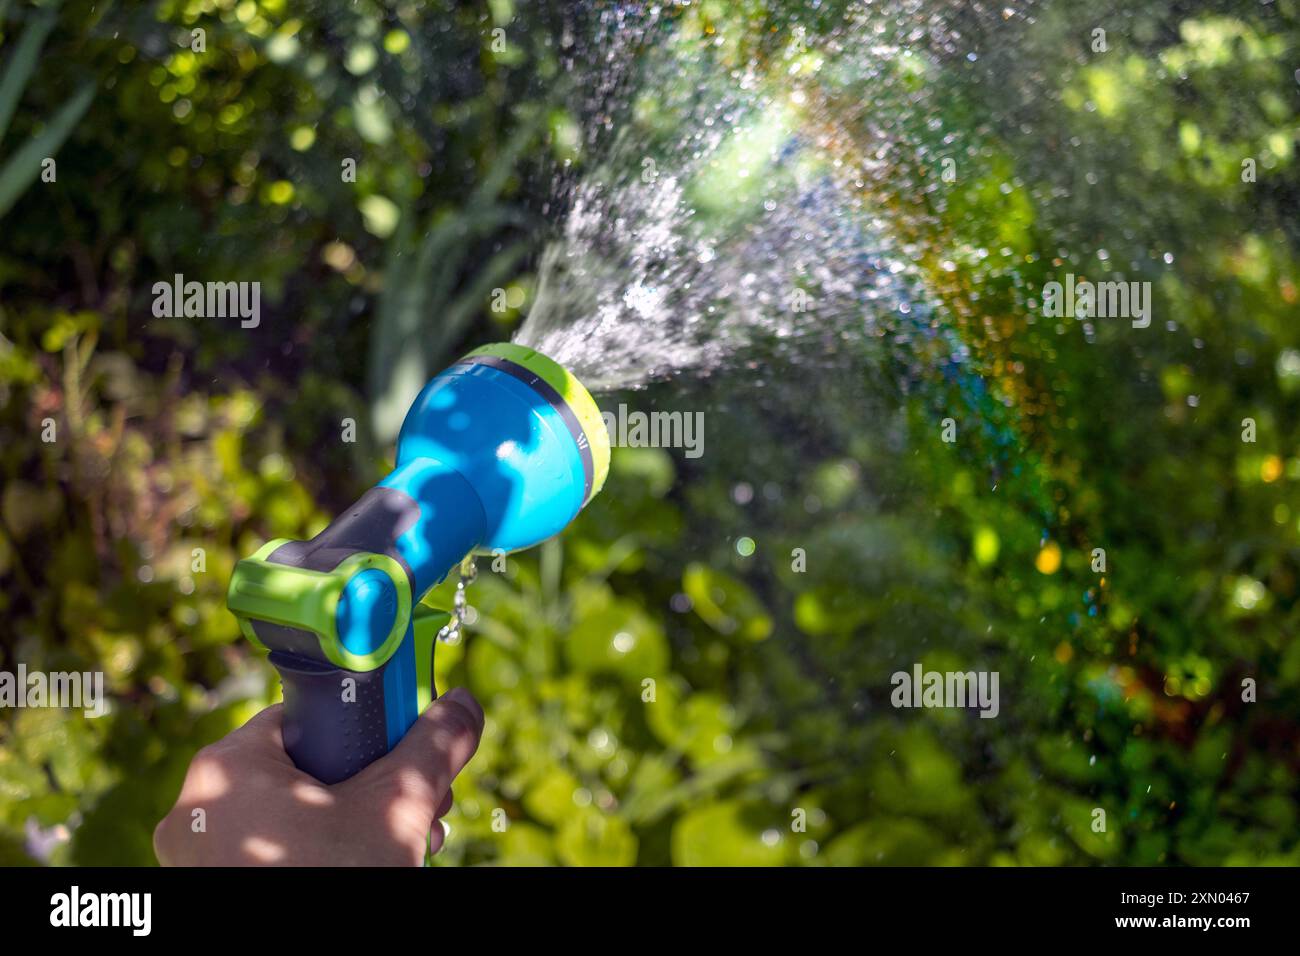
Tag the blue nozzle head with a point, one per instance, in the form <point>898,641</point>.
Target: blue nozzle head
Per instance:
<point>519,430</point>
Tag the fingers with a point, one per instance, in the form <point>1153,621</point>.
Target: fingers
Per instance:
<point>250,753</point>
<point>435,749</point>
<point>437,836</point>
<point>261,733</point>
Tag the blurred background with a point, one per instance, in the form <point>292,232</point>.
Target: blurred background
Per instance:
<point>827,537</point>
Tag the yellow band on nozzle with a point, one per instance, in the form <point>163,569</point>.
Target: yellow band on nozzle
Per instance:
<point>573,393</point>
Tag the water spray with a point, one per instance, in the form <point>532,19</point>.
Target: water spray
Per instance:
<point>498,453</point>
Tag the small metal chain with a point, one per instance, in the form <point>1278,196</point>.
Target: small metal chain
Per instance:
<point>451,631</point>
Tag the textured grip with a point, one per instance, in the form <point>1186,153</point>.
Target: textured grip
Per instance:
<point>331,729</point>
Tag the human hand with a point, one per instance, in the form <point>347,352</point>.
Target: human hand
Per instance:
<point>259,809</point>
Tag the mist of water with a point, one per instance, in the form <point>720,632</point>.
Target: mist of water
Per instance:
<point>715,218</point>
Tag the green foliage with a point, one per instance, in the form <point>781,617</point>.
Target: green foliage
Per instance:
<point>23,166</point>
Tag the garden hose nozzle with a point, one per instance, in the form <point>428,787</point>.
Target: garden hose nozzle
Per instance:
<point>499,452</point>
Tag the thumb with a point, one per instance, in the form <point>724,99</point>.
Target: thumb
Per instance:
<point>436,748</point>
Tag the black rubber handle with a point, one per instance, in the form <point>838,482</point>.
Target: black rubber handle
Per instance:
<point>334,722</point>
